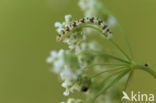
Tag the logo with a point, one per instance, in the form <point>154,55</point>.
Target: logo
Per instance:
<point>140,97</point>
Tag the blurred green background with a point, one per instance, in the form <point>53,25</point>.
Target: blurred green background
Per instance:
<point>27,36</point>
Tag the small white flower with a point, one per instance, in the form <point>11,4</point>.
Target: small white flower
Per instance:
<point>67,74</point>
<point>66,93</point>
<point>58,24</point>
<point>52,56</point>
<point>58,65</point>
<point>60,53</point>
<point>111,21</point>
<point>68,86</point>
<point>49,60</point>
<point>65,84</point>
<point>68,18</point>
<point>66,40</point>
<point>59,30</point>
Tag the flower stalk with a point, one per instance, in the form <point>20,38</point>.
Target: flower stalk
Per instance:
<point>147,69</point>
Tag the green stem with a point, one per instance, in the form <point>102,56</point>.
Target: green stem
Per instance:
<point>126,39</point>
<point>100,31</point>
<point>109,70</point>
<point>103,64</point>
<point>109,77</point>
<point>128,79</point>
<point>147,69</point>
<point>123,33</point>
<point>116,58</point>
<point>106,54</point>
<point>115,44</point>
<point>110,84</point>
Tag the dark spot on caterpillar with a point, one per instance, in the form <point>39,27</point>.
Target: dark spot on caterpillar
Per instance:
<point>74,24</point>
<point>104,27</point>
<point>146,65</point>
<point>99,22</point>
<point>67,29</point>
<point>84,89</point>
<point>83,20</point>
<point>92,19</point>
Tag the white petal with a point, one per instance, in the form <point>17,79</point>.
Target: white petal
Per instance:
<point>49,60</point>
<point>58,24</point>
<point>66,93</point>
<point>68,18</point>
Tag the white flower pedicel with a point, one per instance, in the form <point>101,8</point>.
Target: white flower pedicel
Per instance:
<point>87,68</point>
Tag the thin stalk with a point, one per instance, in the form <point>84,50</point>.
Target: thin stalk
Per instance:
<point>116,58</point>
<point>116,79</point>
<point>109,77</point>
<point>126,39</point>
<point>123,33</point>
<point>103,64</point>
<point>128,79</point>
<point>107,54</point>
<point>116,45</point>
<point>100,31</point>
<point>109,70</point>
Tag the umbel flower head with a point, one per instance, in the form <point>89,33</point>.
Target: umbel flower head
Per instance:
<point>87,67</point>
<point>72,65</point>
<point>71,31</point>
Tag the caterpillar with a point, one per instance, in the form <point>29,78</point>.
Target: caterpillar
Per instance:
<point>89,22</point>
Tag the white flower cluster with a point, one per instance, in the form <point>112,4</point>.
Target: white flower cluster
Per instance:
<point>65,64</point>
<point>70,66</point>
<point>95,8</point>
<point>72,100</point>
